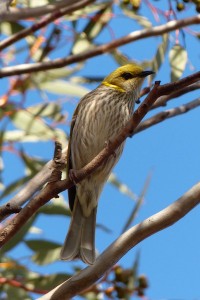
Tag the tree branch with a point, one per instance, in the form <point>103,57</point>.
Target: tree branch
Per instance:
<point>133,36</point>
<point>38,25</point>
<point>162,101</point>
<point>16,14</point>
<point>35,184</point>
<point>161,220</point>
<point>169,113</point>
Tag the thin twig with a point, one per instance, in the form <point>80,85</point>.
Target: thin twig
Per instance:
<point>133,36</point>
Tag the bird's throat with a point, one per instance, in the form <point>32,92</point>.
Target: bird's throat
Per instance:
<point>113,86</point>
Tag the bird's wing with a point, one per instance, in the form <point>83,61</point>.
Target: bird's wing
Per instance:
<point>86,99</point>
<point>72,190</point>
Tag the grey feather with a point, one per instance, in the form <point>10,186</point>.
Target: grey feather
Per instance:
<point>80,240</point>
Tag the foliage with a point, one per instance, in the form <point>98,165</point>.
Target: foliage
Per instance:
<point>35,108</point>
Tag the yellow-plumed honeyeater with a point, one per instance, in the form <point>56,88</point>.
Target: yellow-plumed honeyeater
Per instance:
<point>99,117</point>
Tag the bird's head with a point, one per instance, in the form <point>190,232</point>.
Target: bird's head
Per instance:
<point>127,78</point>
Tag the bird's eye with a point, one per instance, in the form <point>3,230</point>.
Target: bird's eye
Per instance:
<point>127,76</point>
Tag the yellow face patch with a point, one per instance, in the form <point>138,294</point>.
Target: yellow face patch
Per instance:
<point>113,86</point>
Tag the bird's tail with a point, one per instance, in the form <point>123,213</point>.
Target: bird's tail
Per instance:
<point>80,240</point>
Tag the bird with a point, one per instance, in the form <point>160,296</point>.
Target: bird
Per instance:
<point>98,117</point>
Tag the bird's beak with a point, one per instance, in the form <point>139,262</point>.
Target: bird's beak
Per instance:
<point>146,73</point>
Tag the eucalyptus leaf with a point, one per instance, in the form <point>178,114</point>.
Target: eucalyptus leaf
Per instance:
<point>81,44</point>
<point>123,188</point>
<point>89,9</point>
<point>136,264</point>
<point>178,59</point>
<point>50,110</point>
<point>57,206</point>
<point>138,204</point>
<point>62,87</point>
<point>9,28</point>
<point>47,282</point>
<point>32,125</point>
<point>51,75</point>
<point>45,252</point>
<point>119,57</point>
<point>98,22</point>
<point>15,293</point>
<point>14,186</point>
<point>160,53</point>
<point>19,136</point>
<point>143,21</point>
<point>93,28</point>
<point>18,236</point>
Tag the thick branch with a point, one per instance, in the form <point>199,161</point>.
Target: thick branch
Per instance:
<point>133,36</point>
<point>161,220</point>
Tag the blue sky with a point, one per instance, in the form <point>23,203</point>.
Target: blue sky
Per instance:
<point>170,150</point>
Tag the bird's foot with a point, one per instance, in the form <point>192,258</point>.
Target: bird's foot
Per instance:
<point>107,143</point>
<point>73,176</point>
<point>138,101</point>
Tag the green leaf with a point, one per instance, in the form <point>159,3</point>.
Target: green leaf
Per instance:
<point>81,44</point>
<point>15,185</point>
<point>57,206</point>
<point>47,282</point>
<point>87,10</point>
<point>33,164</point>
<point>47,110</point>
<point>19,136</point>
<point>15,293</point>
<point>123,188</point>
<point>10,28</point>
<point>35,4</point>
<point>160,53</point>
<point>92,30</point>
<point>136,264</point>
<point>98,22</point>
<point>32,125</point>
<point>46,252</point>
<point>18,236</point>
<point>143,21</point>
<point>138,203</point>
<point>55,74</point>
<point>62,87</point>
<point>120,58</point>
<point>178,59</point>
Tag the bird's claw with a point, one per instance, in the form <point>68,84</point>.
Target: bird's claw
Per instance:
<point>73,175</point>
<point>107,143</point>
<point>138,101</point>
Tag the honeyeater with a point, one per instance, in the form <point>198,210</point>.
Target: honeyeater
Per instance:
<point>99,116</point>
